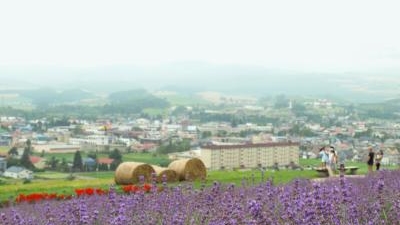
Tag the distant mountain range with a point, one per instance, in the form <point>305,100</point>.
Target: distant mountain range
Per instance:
<point>46,96</point>
<point>190,78</point>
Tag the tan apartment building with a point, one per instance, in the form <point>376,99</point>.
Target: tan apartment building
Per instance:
<point>230,156</point>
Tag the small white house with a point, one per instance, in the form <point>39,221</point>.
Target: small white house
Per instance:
<point>18,173</point>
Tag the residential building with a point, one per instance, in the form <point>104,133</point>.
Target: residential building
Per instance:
<point>227,156</point>
<point>91,139</point>
<point>185,155</point>
<point>391,157</point>
<point>17,172</point>
<point>56,148</point>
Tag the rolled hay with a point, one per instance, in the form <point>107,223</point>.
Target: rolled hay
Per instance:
<point>170,175</point>
<point>189,169</point>
<point>129,172</point>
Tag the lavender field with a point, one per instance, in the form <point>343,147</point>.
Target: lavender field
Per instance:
<point>374,199</point>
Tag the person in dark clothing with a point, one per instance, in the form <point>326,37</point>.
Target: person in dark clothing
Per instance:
<point>378,159</point>
<point>370,161</point>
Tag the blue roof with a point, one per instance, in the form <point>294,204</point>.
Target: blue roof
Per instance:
<point>89,161</point>
<point>15,169</point>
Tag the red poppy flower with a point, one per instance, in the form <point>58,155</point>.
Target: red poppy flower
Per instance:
<point>89,191</point>
<point>20,198</point>
<point>79,192</point>
<point>147,187</point>
<point>100,191</point>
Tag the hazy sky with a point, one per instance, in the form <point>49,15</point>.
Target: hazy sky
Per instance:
<point>300,35</point>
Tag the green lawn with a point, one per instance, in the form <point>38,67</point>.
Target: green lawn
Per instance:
<point>60,186</point>
<point>4,149</point>
<point>161,160</point>
<point>55,182</point>
<point>256,176</point>
<point>362,167</point>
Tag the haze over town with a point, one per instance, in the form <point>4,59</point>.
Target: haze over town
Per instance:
<point>253,48</point>
<point>210,112</point>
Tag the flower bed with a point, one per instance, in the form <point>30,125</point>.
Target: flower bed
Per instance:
<point>371,200</point>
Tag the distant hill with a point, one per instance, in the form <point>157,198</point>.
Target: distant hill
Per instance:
<point>129,96</point>
<point>133,101</point>
<point>190,78</point>
<point>47,96</point>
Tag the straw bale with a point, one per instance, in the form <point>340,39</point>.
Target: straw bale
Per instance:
<point>129,172</point>
<point>189,169</point>
<point>169,174</point>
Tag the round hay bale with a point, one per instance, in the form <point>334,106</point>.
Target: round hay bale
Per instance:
<point>189,169</point>
<point>129,172</point>
<point>169,174</point>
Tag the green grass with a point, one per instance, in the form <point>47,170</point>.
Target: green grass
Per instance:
<point>55,182</point>
<point>161,160</point>
<point>60,186</point>
<point>255,176</point>
<point>157,159</point>
<point>98,174</point>
<point>50,175</point>
<point>4,149</point>
<point>186,100</point>
<point>362,167</point>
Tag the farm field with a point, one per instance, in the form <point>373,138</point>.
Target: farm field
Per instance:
<point>297,202</point>
<point>156,159</point>
<point>57,182</point>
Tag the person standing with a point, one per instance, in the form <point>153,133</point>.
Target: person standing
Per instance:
<point>324,157</point>
<point>333,158</point>
<point>370,161</point>
<point>378,159</point>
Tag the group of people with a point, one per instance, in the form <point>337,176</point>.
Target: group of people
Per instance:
<point>374,159</point>
<point>329,157</point>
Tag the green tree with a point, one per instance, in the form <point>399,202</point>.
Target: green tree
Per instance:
<point>117,156</point>
<point>281,102</point>
<point>63,166</point>
<point>206,134</point>
<point>13,151</point>
<point>78,129</point>
<point>77,164</point>
<point>92,155</point>
<point>25,160</point>
<point>53,163</point>
<point>12,162</point>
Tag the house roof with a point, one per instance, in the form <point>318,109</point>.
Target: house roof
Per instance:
<point>275,144</point>
<point>15,169</point>
<point>104,160</point>
<point>35,159</point>
<point>89,161</point>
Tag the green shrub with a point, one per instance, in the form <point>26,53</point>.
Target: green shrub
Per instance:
<point>27,181</point>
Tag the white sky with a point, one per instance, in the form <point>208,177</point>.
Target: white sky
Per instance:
<point>309,35</point>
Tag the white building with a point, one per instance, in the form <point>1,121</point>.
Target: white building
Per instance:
<point>91,140</point>
<point>56,148</point>
<point>18,173</point>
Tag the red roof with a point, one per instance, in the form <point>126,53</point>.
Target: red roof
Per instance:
<point>104,160</point>
<point>274,144</point>
<point>35,159</point>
